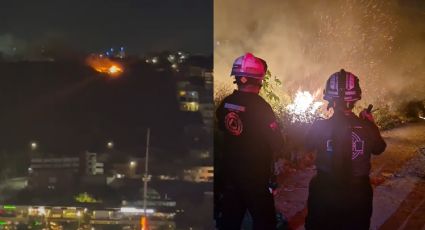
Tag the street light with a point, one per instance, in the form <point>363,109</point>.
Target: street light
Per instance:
<point>110,145</point>
<point>33,145</point>
<point>132,164</point>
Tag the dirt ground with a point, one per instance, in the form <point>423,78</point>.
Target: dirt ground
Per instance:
<point>398,176</point>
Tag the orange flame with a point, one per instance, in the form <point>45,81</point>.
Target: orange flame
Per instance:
<point>144,223</point>
<point>105,65</point>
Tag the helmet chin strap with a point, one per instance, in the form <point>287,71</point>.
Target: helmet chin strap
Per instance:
<point>255,90</point>
<point>244,81</point>
<point>249,87</point>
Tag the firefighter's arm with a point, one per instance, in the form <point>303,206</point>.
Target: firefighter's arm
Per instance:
<point>218,116</point>
<point>277,141</point>
<point>379,144</point>
<point>274,134</point>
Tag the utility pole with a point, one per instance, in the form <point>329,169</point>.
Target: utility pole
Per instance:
<point>146,176</point>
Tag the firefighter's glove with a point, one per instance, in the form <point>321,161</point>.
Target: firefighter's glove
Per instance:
<point>366,116</point>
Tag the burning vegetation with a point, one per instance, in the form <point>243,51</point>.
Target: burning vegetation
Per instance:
<point>305,107</point>
<point>105,65</point>
<point>296,114</point>
<point>303,43</point>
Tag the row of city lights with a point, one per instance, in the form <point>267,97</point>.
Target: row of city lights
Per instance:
<point>43,211</point>
<point>34,145</point>
<point>110,145</point>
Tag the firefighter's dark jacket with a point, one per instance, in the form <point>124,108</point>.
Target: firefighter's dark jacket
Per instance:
<point>251,136</point>
<point>362,138</point>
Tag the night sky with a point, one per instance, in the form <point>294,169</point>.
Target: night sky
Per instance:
<point>92,26</point>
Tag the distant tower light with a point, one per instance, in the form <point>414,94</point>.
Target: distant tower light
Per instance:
<point>122,52</point>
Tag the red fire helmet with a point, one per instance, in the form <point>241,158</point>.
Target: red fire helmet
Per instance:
<point>249,66</point>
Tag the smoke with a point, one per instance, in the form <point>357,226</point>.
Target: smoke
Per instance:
<point>382,42</point>
<point>48,46</point>
<point>11,46</point>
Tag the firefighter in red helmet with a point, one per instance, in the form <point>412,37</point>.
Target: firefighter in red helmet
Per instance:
<point>340,195</point>
<point>251,136</point>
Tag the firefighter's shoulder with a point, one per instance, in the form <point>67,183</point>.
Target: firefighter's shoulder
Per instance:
<point>225,99</point>
<point>260,101</point>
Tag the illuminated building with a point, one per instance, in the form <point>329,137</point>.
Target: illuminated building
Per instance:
<point>189,100</point>
<point>199,174</point>
<point>54,173</point>
<point>92,166</point>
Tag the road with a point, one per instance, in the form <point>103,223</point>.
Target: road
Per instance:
<point>398,176</point>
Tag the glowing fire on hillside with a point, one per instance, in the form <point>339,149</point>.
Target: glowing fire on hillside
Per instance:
<point>105,65</point>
